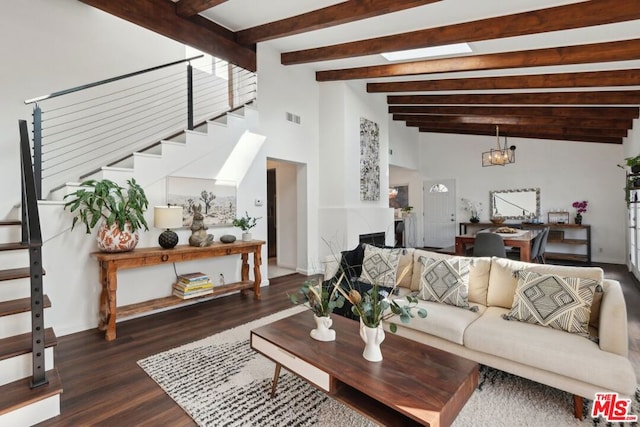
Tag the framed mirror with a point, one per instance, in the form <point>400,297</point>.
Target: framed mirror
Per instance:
<point>522,203</point>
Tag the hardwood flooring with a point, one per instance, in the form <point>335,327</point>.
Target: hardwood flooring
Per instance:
<point>103,385</point>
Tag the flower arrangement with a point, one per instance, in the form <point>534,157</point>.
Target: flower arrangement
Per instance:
<point>374,306</point>
<point>246,222</point>
<point>318,298</point>
<point>474,208</point>
<point>581,207</point>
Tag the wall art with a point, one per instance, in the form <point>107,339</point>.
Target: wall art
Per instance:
<point>218,199</point>
<point>369,160</point>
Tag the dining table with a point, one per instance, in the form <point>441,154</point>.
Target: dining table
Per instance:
<point>520,239</point>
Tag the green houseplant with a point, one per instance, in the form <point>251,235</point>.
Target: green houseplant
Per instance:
<point>120,209</point>
<point>633,163</point>
<point>245,223</point>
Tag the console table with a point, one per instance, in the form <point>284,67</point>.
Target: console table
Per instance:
<point>110,263</point>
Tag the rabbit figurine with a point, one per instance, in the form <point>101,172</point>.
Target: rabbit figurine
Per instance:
<point>199,236</point>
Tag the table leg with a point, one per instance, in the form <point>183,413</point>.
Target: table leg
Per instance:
<point>257,277</point>
<point>274,384</point>
<point>460,247</point>
<point>525,252</point>
<point>104,304</point>
<point>244,272</point>
<point>112,287</point>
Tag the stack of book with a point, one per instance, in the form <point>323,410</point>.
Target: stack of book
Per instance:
<point>192,285</point>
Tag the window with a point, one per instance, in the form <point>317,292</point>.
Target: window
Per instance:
<point>438,188</point>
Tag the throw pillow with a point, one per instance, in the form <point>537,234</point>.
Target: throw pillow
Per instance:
<point>562,303</point>
<point>445,281</point>
<point>351,263</point>
<point>380,265</point>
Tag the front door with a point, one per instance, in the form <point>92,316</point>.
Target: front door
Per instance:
<point>439,213</point>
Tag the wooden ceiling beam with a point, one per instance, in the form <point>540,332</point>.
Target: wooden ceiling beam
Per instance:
<point>578,15</point>
<point>510,130</point>
<point>187,8</point>
<point>580,138</point>
<point>160,16</point>
<point>536,81</point>
<point>631,97</point>
<point>341,13</point>
<point>586,112</point>
<point>581,54</point>
<point>522,121</point>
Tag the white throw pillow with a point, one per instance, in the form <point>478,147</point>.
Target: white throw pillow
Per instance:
<point>380,265</point>
<point>445,281</point>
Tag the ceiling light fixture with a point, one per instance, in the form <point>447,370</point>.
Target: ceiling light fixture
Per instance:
<point>500,156</point>
<point>428,52</point>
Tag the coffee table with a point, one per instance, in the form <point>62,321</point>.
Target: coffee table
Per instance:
<point>414,385</point>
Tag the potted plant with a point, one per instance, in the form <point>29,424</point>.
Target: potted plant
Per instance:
<point>406,211</point>
<point>321,298</point>
<point>581,207</point>
<point>245,223</point>
<point>633,163</point>
<point>474,209</point>
<point>118,211</point>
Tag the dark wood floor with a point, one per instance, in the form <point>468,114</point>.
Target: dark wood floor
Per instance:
<point>103,385</point>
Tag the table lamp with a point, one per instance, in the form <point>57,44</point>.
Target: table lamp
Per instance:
<point>167,217</point>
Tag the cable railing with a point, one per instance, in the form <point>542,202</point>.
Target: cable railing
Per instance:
<point>79,130</point>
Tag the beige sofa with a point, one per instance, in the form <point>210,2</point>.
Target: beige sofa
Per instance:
<point>549,356</point>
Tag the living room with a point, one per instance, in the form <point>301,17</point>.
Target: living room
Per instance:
<point>66,43</point>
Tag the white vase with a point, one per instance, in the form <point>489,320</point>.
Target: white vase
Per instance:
<point>372,338</point>
<point>322,331</point>
<point>246,237</point>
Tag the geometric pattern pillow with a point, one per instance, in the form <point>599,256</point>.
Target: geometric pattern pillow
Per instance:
<point>380,266</point>
<point>445,281</point>
<point>558,302</point>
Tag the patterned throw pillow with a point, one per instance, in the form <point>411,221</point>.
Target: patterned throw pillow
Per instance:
<point>380,265</point>
<point>558,302</point>
<point>445,281</point>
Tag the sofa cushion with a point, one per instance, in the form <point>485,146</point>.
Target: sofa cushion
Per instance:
<point>445,281</point>
<point>565,354</point>
<point>503,283</point>
<point>550,300</point>
<point>444,321</point>
<point>478,274</point>
<point>380,265</point>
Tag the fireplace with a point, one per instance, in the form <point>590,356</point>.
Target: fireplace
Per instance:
<point>375,239</point>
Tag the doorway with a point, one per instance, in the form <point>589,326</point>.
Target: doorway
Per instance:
<point>439,213</point>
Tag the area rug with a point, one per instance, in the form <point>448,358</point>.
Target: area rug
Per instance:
<point>221,381</point>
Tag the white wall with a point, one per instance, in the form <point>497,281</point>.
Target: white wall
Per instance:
<point>414,179</point>
<point>564,171</point>
<point>403,145</point>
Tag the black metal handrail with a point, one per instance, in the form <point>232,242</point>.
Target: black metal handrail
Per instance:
<point>109,80</point>
<point>32,236</point>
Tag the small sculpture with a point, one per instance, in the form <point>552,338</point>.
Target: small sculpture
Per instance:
<point>199,236</point>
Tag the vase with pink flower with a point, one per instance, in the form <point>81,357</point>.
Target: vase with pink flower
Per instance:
<point>581,207</point>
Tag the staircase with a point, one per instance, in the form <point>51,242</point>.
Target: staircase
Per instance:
<point>30,386</point>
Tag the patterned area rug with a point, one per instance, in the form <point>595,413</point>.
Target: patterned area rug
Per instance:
<point>220,381</point>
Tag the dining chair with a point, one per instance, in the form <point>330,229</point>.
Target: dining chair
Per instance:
<point>543,246</point>
<point>535,247</point>
<point>489,244</point>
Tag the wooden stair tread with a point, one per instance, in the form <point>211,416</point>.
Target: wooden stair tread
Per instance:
<point>13,246</point>
<point>22,305</point>
<point>10,222</point>
<point>21,344</point>
<point>15,273</point>
<point>18,394</point>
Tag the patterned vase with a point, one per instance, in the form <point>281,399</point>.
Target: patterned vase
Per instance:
<point>112,239</point>
<point>372,338</point>
<point>322,331</point>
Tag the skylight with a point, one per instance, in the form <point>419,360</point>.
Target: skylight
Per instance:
<point>427,52</point>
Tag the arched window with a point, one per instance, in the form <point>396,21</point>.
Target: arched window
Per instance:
<point>438,188</point>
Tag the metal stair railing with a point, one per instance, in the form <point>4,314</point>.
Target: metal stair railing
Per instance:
<point>92,125</point>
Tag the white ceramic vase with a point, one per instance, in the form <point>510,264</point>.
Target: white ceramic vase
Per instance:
<point>246,237</point>
<point>322,331</point>
<point>372,338</point>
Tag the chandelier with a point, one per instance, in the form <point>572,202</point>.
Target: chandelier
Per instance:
<point>499,156</point>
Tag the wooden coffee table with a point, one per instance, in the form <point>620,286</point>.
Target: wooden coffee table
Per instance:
<point>414,385</point>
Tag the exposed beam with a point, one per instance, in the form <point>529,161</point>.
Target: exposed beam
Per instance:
<point>534,135</point>
<point>586,79</point>
<point>578,15</point>
<point>186,8</point>
<point>509,130</point>
<point>341,13</point>
<point>586,112</point>
<point>521,121</point>
<point>558,98</point>
<point>581,54</point>
<point>160,16</point>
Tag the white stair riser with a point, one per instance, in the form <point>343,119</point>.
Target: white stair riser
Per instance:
<point>14,259</point>
<point>17,324</point>
<point>17,289</point>
<point>10,234</point>
<point>19,367</point>
<point>32,414</point>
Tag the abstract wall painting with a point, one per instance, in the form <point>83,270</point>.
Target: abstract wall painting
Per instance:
<point>369,160</point>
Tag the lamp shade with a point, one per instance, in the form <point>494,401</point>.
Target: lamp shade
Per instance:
<point>167,217</point>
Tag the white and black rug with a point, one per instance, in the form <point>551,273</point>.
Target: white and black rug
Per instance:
<point>220,381</point>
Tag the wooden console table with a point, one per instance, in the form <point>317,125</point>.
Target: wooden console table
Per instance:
<point>110,263</point>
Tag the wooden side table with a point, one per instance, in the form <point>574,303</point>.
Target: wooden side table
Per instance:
<point>110,263</point>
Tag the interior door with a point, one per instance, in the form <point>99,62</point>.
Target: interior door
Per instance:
<point>272,243</point>
<point>439,213</point>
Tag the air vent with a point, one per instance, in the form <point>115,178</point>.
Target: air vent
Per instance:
<point>293,118</point>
